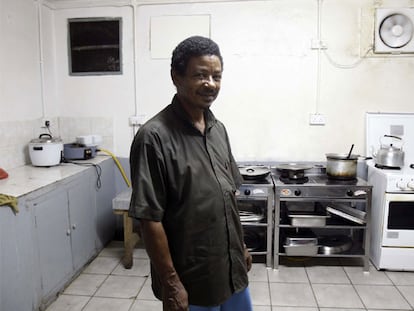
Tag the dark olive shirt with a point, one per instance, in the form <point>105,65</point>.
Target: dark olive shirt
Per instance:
<point>187,181</point>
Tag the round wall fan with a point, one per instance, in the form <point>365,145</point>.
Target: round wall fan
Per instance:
<point>394,31</point>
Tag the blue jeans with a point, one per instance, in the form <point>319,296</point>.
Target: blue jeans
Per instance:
<point>238,302</point>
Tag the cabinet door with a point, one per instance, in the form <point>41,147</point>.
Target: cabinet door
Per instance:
<point>53,237</point>
<point>82,220</point>
<point>17,259</point>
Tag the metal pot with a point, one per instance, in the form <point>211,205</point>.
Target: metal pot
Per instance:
<point>45,150</point>
<point>388,154</point>
<point>341,166</point>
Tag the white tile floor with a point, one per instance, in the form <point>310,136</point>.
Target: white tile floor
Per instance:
<point>310,285</point>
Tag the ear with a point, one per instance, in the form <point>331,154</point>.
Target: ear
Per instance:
<point>175,78</point>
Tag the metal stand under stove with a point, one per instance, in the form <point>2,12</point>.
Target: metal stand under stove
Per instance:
<point>323,190</point>
<point>260,192</point>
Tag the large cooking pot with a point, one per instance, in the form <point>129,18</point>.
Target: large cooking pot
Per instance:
<point>45,150</point>
<point>341,166</point>
<point>388,154</point>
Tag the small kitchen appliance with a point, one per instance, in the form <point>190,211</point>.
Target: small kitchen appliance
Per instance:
<point>75,151</point>
<point>84,148</point>
<point>45,150</point>
<point>392,239</point>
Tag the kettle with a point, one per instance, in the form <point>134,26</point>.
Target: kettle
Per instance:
<point>389,155</point>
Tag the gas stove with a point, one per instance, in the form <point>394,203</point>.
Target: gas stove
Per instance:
<point>317,184</point>
<point>302,208</point>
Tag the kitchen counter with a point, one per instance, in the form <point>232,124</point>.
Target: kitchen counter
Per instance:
<point>64,219</point>
<point>26,179</point>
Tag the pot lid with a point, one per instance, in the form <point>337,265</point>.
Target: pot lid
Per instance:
<point>342,156</point>
<point>254,171</point>
<point>46,138</point>
<point>293,167</point>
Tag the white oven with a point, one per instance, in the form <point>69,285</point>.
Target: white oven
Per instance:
<point>392,210</point>
<point>398,220</point>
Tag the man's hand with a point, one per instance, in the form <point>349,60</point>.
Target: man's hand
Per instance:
<point>248,258</point>
<point>174,295</point>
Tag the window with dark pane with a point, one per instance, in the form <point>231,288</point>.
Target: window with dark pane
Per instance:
<point>94,46</point>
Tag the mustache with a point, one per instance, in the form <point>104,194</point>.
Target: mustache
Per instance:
<point>208,92</point>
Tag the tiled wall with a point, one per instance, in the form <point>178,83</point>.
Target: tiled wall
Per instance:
<point>16,135</point>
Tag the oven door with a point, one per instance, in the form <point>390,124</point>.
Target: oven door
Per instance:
<point>398,220</point>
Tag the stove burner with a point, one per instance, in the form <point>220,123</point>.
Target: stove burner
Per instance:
<point>287,180</point>
<point>384,167</point>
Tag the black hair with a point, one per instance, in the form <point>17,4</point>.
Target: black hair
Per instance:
<point>193,47</point>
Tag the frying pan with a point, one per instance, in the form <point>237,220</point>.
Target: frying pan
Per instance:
<point>293,170</point>
<point>254,172</point>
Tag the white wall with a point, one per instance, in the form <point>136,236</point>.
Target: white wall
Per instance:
<point>270,75</point>
<point>270,72</point>
<point>20,97</point>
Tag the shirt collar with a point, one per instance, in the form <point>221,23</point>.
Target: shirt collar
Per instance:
<point>209,117</point>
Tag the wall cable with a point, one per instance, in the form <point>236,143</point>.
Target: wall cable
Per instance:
<point>319,63</point>
<point>118,165</point>
<point>349,66</point>
<point>98,170</point>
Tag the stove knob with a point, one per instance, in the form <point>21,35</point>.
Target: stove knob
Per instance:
<point>350,193</point>
<point>410,185</point>
<point>297,192</point>
<point>401,185</point>
<point>247,192</point>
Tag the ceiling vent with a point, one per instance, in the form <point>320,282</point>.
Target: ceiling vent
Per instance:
<point>394,30</point>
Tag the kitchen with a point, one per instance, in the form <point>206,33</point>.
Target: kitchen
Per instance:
<point>270,42</point>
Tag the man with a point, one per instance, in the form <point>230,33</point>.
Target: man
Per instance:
<point>184,179</point>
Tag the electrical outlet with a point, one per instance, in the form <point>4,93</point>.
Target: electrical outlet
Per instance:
<point>45,123</point>
<point>317,119</point>
<point>318,45</point>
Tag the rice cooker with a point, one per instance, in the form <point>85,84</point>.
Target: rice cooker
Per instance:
<point>45,150</point>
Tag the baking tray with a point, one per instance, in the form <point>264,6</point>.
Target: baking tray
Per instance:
<point>347,212</point>
<point>291,241</point>
<point>301,246</point>
<point>301,250</point>
<point>307,220</point>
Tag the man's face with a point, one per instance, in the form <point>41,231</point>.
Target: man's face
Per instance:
<point>200,85</point>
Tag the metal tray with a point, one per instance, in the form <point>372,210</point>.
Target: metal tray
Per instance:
<point>301,250</point>
<point>292,241</point>
<point>347,212</point>
<point>307,220</point>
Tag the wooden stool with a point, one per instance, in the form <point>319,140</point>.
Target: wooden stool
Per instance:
<point>120,206</point>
